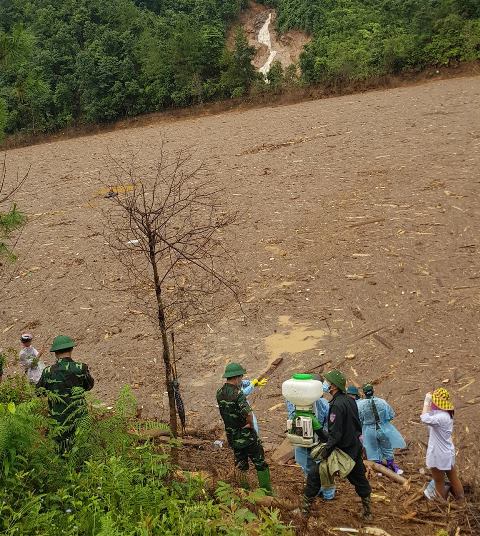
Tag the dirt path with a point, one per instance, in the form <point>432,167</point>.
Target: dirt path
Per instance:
<point>359,214</point>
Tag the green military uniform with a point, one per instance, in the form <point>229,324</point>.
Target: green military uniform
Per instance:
<point>245,442</point>
<point>246,445</point>
<point>68,380</point>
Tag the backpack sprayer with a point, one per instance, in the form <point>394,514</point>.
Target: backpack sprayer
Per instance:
<point>302,390</point>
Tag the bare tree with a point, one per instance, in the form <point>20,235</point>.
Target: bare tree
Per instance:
<point>167,232</point>
<point>11,220</point>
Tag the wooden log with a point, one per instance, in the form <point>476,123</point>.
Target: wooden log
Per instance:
<point>387,472</point>
<point>272,368</point>
<point>366,222</point>
<point>322,364</point>
<point>284,452</point>
<point>383,341</point>
<point>367,334</point>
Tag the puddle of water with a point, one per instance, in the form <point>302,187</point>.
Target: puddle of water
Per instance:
<point>294,338</point>
<point>265,39</point>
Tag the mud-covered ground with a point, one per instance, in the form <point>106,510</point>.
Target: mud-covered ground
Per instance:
<point>358,244</point>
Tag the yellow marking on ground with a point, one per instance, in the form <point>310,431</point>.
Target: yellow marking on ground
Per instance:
<point>119,189</point>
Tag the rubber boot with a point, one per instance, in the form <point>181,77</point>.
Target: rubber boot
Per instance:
<point>243,480</point>
<point>264,480</point>
<point>394,467</point>
<point>367,511</point>
<point>306,506</point>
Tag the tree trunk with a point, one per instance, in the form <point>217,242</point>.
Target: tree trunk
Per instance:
<point>166,346</point>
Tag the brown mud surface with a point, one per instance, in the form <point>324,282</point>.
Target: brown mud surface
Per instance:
<point>358,247</point>
<point>398,510</point>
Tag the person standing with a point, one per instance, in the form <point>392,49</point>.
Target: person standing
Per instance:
<point>248,387</point>
<point>353,392</point>
<point>437,413</point>
<point>344,431</point>
<point>320,409</point>
<point>29,358</point>
<point>237,417</point>
<point>380,437</point>
<point>303,454</point>
<point>68,380</point>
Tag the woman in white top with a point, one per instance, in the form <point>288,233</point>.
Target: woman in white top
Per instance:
<point>29,359</point>
<point>438,413</point>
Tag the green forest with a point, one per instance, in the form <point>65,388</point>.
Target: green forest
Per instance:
<point>71,62</point>
<point>362,39</point>
<point>65,62</point>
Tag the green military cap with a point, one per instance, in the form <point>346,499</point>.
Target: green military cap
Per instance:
<point>233,369</point>
<point>368,388</point>
<point>62,342</point>
<point>336,378</point>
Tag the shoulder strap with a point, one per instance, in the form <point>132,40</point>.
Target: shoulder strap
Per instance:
<point>375,411</point>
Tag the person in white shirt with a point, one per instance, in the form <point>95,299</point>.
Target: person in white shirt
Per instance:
<point>29,359</point>
<point>438,413</point>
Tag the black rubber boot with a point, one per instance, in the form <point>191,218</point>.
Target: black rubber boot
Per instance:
<point>367,510</point>
<point>306,506</point>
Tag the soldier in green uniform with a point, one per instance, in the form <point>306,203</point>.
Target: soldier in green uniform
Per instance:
<point>68,380</point>
<point>237,416</point>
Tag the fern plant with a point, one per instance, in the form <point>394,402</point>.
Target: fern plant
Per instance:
<point>109,484</point>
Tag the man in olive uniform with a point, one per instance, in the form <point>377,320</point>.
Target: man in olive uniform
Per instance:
<point>68,380</point>
<point>344,431</point>
<point>237,416</point>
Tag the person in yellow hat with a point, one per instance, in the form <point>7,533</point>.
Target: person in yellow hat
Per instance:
<point>438,411</point>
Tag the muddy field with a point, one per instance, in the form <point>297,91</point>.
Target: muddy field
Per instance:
<point>358,245</point>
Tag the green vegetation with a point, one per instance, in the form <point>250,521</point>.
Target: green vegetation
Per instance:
<point>360,39</point>
<point>69,62</point>
<point>109,484</point>
<point>66,62</point>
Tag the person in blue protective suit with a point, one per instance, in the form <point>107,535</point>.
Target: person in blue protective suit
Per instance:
<point>380,437</point>
<point>247,387</point>
<point>302,454</point>
<point>353,392</point>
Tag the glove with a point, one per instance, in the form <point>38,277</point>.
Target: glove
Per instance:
<point>259,383</point>
<point>319,453</point>
<point>428,399</point>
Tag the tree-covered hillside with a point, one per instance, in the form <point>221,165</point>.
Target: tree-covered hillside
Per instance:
<point>360,39</point>
<point>68,61</point>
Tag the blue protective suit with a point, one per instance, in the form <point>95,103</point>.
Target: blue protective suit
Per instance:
<point>379,439</point>
<point>302,454</point>
<point>247,389</point>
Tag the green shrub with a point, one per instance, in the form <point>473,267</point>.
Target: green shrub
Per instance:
<point>16,389</point>
<point>109,483</point>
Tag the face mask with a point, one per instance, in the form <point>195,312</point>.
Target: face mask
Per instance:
<point>326,387</point>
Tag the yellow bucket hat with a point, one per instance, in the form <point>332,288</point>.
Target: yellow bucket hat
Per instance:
<point>441,398</point>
